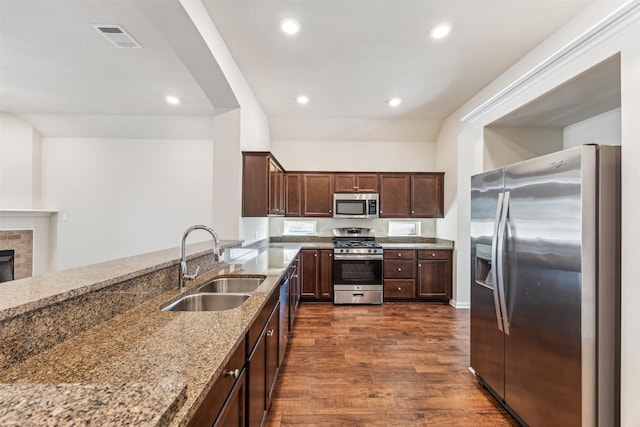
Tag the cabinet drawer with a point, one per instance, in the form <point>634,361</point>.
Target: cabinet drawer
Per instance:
<point>212,404</point>
<point>261,320</point>
<point>399,289</point>
<point>444,254</point>
<point>399,269</point>
<point>399,254</point>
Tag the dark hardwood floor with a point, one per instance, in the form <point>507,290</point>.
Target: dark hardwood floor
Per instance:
<point>402,364</point>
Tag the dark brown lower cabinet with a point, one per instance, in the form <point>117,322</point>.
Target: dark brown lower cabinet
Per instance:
<point>224,405</point>
<point>262,369</point>
<point>317,274</point>
<point>233,412</point>
<point>434,275</point>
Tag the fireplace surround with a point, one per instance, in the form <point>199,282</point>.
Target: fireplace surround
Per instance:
<point>6,265</point>
<point>20,242</point>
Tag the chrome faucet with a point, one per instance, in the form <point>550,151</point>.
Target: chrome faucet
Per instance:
<point>183,276</point>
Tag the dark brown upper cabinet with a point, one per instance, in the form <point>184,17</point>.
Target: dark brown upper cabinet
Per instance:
<point>317,194</point>
<point>355,183</point>
<point>427,198</point>
<point>394,195</point>
<point>262,185</point>
<point>412,195</point>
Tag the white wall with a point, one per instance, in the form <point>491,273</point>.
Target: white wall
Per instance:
<point>602,129</point>
<point>254,126</point>
<point>121,197</point>
<point>508,145</point>
<point>355,156</point>
<point>227,176</point>
<point>20,157</point>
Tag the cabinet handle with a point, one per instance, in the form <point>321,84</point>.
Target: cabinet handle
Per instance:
<point>399,253</point>
<point>433,254</point>
<point>413,212</point>
<point>270,333</point>
<point>399,289</point>
<point>235,373</point>
<point>315,255</point>
<point>399,269</point>
<point>329,210</point>
<point>330,255</point>
<point>419,265</point>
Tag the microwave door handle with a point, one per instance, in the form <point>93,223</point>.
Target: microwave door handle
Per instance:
<point>494,262</point>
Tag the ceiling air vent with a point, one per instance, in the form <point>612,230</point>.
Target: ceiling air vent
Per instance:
<point>117,35</point>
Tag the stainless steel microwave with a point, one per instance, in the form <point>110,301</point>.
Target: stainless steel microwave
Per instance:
<point>355,205</point>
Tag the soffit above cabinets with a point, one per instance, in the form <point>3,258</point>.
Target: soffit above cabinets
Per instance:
<point>593,92</point>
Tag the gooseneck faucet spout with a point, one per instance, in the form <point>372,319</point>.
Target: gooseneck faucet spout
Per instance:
<point>183,276</point>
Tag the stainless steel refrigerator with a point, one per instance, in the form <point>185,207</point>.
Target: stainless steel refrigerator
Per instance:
<point>545,286</point>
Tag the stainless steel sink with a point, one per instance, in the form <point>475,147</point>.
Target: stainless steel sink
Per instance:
<point>207,302</point>
<point>232,285</point>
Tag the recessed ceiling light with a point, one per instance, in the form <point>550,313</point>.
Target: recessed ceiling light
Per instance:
<point>394,102</point>
<point>290,26</point>
<point>302,99</point>
<point>440,30</point>
<point>173,100</point>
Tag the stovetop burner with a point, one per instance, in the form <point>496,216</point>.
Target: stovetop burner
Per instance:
<point>356,244</point>
<point>355,241</point>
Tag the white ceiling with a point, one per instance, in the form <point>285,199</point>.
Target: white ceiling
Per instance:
<point>350,57</point>
<point>353,55</point>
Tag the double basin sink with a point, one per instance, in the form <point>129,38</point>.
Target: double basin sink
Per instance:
<point>220,294</point>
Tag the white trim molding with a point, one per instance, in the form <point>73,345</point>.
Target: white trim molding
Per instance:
<point>26,212</point>
<point>623,19</point>
<point>459,305</point>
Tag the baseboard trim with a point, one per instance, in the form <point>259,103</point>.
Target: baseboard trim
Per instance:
<point>459,304</point>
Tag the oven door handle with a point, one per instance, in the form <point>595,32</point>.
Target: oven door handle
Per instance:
<point>363,257</point>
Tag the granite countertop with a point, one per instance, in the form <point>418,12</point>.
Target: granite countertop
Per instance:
<point>23,295</point>
<point>144,367</point>
<point>390,242</point>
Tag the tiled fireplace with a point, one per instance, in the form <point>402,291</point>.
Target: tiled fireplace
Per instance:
<point>21,243</point>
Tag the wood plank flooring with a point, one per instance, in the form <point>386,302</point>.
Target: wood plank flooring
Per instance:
<point>402,364</point>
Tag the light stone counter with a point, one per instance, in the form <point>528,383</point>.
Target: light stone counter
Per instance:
<point>23,295</point>
<point>144,352</point>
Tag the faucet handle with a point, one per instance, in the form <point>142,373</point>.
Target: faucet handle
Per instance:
<point>192,276</point>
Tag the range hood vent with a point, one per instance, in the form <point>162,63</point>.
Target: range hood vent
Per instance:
<point>118,36</point>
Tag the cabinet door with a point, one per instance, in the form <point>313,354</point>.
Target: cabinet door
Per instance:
<point>272,336</point>
<point>434,275</point>
<point>394,195</point>
<point>427,199</point>
<point>255,184</point>
<point>344,183</point>
<point>257,382</point>
<point>273,188</point>
<point>317,195</point>
<point>233,412</point>
<point>355,183</point>
<point>310,277</point>
<point>326,274</point>
<point>367,183</point>
<point>293,194</point>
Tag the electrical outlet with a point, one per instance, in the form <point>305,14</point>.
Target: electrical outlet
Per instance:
<point>65,216</point>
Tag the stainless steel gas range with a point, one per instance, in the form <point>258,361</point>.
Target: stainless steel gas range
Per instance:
<point>357,267</point>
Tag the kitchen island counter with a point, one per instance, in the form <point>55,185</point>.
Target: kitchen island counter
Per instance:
<point>167,361</point>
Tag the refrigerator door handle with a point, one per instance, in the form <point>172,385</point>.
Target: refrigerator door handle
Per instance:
<point>502,234</point>
<point>494,262</point>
